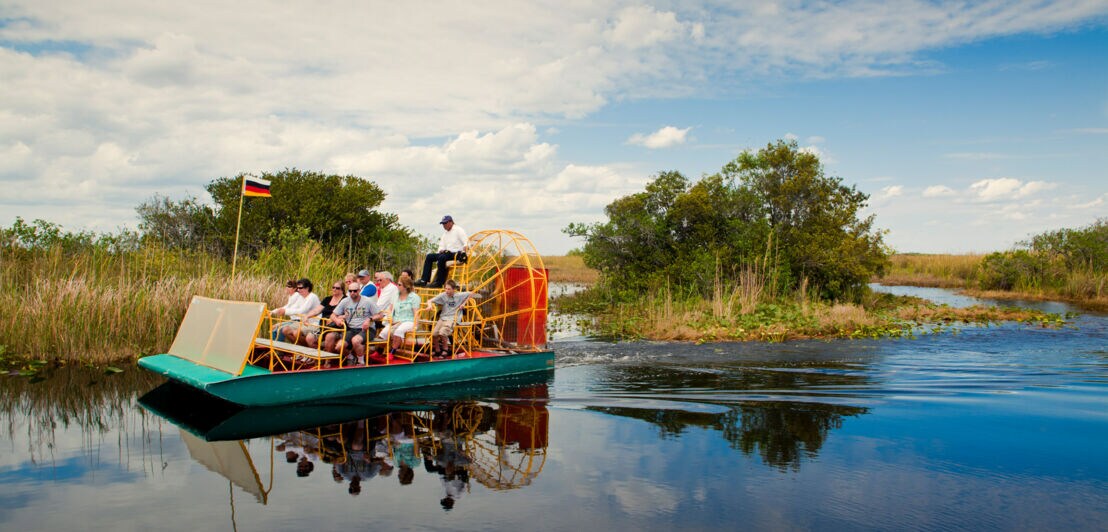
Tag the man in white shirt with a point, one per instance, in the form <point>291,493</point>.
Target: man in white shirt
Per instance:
<point>387,295</point>
<point>454,242</point>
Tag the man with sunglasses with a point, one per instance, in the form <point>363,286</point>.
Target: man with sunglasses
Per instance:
<point>358,314</point>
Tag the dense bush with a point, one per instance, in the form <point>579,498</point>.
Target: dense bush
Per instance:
<point>773,211</point>
<point>340,213</point>
<point>1073,262</point>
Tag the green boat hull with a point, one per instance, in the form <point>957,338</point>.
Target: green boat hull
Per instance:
<point>260,387</point>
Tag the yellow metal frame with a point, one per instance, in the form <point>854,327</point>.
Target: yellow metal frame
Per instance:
<point>301,357</point>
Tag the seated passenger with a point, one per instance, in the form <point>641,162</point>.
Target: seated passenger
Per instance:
<point>451,302</point>
<point>357,314</point>
<point>386,296</point>
<point>403,315</point>
<point>293,331</point>
<point>294,298</point>
<point>452,246</point>
<point>324,310</point>
<point>369,289</point>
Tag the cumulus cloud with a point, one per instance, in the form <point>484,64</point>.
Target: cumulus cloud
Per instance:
<point>1006,188</point>
<point>938,191</point>
<point>667,137</point>
<point>105,103</point>
<point>1091,204</point>
<point>891,191</point>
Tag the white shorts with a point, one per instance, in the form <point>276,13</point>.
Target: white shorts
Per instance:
<point>402,328</point>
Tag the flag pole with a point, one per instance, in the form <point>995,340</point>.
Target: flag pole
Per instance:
<point>235,255</point>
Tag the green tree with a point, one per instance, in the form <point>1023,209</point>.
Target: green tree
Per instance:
<point>777,199</point>
<point>185,224</point>
<point>813,218</point>
<point>341,213</point>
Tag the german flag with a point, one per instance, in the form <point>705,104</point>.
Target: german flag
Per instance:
<point>256,187</point>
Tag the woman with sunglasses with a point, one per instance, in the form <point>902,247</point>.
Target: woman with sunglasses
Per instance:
<point>403,316</point>
<point>323,310</point>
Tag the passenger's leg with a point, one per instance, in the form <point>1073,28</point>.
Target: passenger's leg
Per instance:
<point>357,344</point>
<point>289,333</point>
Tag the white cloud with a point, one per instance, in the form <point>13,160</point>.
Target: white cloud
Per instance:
<point>938,191</point>
<point>667,137</point>
<point>1094,203</point>
<point>105,103</point>
<point>1006,188</point>
<point>642,26</point>
<point>891,191</point>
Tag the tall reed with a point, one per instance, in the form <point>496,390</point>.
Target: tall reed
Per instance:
<point>570,269</point>
<point>942,271</point>
<point>98,306</point>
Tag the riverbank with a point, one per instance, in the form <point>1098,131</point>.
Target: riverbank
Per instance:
<point>728,316</point>
<point>1087,290</point>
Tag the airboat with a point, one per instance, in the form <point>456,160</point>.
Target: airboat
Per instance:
<point>223,348</point>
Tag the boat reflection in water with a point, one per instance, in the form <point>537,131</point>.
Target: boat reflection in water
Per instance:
<point>494,433</point>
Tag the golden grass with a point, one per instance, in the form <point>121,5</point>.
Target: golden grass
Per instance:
<point>745,312</point>
<point>570,269</point>
<point>942,271</point>
<point>1086,289</point>
<point>102,307</point>
<point>1097,302</point>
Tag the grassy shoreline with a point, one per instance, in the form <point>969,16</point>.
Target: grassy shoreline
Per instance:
<point>106,308</point>
<point>738,313</point>
<point>662,317</point>
<point>1084,289</point>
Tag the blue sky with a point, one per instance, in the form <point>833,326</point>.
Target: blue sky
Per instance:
<point>971,125</point>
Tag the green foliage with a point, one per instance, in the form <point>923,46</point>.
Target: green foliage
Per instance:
<point>39,235</point>
<point>773,208</point>
<point>1073,262</point>
<point>340,213</point>
<point>814,218</point>
<point>185,224</point>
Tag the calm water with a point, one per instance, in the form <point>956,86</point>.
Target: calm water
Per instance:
<point>987,428</point>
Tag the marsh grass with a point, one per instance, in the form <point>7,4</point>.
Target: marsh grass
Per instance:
<point>747,312</point>
<point>940,271</point>
<point>101,307</point>
<point>1085,287</point>
<point>569,269</point>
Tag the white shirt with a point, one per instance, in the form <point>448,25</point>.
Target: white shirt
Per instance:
<point>454,240</point>
<point>303,306</point>
<point>294,301</point>
<point>387,297</point>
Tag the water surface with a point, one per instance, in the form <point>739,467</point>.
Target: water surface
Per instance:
<point>1000,427</point>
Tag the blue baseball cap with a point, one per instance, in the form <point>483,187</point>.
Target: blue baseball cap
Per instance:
<point>446,218</point>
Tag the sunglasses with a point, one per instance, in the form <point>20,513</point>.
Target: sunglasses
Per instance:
<point>336,288</point>
<point>301,287</point>
<point>353,290</point>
